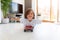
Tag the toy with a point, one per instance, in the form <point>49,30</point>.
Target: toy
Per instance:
<point>27,28</point>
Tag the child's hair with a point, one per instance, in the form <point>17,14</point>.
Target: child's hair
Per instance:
<point>27,13</point>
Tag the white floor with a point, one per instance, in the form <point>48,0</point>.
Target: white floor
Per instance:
<point>43,31</point>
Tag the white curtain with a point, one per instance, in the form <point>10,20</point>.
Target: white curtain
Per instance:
<point>34,8</point>
<point>59,10</point>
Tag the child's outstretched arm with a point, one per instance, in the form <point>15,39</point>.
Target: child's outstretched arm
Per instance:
<point>21,20</point>
<point>38,21</point>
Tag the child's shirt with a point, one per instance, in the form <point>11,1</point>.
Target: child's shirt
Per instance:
<point>32,23</point>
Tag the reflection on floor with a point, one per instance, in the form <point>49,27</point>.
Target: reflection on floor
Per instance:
<point>43,31</point>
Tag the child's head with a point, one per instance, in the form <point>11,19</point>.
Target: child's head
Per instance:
<point>29,14</point>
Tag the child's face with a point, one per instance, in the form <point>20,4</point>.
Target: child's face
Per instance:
<point>30,15</point>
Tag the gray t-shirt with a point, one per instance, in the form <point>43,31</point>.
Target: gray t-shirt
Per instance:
<point>32,23</point>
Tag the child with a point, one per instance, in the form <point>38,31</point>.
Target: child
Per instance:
<point>29,18</point>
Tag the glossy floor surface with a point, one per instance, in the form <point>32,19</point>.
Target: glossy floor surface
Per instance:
<point>43,31</point>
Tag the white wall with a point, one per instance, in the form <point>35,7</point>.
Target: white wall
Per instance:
<point>34,7</point>
<point>18,1</point>
<point>0,12</point>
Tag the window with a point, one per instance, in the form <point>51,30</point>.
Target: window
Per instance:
<point>44,9</point>
<point>49,9</point>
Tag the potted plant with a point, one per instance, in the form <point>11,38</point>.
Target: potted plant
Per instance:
<point>5,6</point>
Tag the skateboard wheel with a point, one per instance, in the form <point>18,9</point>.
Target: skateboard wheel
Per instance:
<point>31,30</point>
<point>24,30</point>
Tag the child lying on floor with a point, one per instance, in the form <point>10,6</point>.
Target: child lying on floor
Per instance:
<point>29,18</point>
